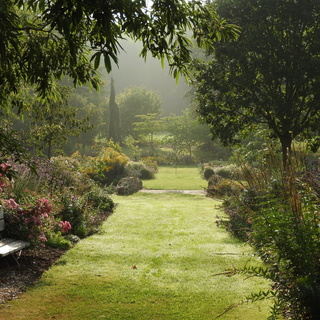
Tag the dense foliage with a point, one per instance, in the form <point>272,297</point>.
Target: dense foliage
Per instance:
<point>134,102</point>
<point>45,205</point>
<point>278,214</point>
<point>45,41</point>
<point>107,167</point>
<point>268,76</point>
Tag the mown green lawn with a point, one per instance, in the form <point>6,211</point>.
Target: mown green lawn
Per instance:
<point>177,178</point>
<point>157,258</point>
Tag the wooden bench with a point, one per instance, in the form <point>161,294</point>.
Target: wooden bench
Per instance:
<point>10,246</point>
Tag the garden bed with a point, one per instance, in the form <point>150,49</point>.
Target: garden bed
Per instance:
<point>14,279</point>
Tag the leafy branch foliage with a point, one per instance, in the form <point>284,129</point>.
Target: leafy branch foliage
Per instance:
<point>50,38</point>
<point>268,76</point>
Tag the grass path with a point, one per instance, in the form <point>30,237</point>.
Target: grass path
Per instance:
<point>155,260</point>
<point>177,178</point>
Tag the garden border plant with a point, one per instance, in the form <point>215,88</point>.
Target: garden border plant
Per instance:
<point>279,216</point>
<point>72,202</point>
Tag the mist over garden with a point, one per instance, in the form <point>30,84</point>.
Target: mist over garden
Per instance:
<point>98,99</point>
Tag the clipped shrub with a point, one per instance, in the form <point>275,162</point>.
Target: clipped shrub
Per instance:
<point>225,171</point>
<point>107,167</point>
<point>208,169</point>
<point>208,172</point>
<point>142,170</point>
<point>146,173</point>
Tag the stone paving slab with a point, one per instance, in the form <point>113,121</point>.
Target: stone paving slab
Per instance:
<point>174,191</point>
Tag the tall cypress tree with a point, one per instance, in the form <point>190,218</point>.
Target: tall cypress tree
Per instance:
<point>114,120</point>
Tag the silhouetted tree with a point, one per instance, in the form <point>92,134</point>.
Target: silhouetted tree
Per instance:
<point>270,75</point>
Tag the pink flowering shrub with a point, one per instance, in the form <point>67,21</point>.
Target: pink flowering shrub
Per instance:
<point>65,226</point>
<point>75,200</point>
<point>10,204</point>
<point>32,221</point>
<point>6,175</point>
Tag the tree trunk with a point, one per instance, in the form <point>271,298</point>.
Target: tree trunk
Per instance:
<point>286,142</point>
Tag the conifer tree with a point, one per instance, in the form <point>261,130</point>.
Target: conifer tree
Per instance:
<point>114,120</point>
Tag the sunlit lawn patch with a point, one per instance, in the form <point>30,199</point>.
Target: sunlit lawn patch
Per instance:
<point>155,259</point>
<point>177,178</point>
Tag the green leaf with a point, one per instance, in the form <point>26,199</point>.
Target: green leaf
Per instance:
<point>97,60</point>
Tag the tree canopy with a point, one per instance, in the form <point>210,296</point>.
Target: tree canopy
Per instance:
<point>270,75</point>
<point>46,39</point>
<point>185,133</point>
<point>136,101</point>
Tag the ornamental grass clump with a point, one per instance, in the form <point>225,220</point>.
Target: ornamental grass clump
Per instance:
<point>280,217</point>
<point>285,232</point>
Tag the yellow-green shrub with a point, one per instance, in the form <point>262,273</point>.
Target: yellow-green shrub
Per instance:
<point>107,167</point>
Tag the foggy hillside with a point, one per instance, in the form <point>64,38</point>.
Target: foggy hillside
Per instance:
<point>134,71</point>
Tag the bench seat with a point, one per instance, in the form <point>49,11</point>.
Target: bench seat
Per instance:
<point>10,246</point>
<point>7,245</point>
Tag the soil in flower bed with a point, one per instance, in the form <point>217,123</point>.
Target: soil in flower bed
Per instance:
<point>14,278</point>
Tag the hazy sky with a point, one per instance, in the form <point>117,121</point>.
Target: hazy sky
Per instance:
<point>134,71</point>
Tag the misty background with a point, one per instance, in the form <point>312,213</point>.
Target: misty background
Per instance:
<point>132,70</point>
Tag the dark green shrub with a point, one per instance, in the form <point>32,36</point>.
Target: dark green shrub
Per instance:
<point>141,170</point>
<point>146,174</point>
<point>97,198</point>
<point>225,172</point>
<point>207,173</point>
